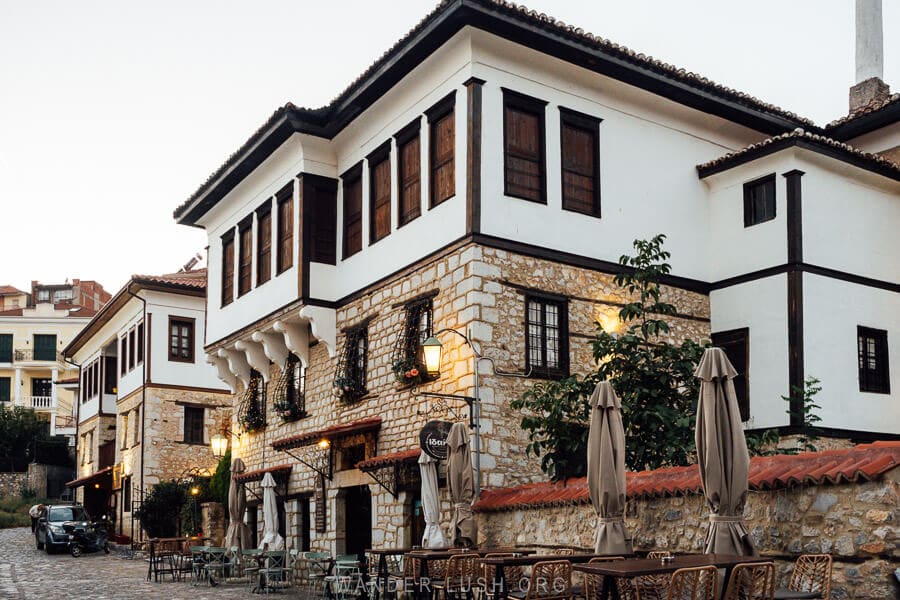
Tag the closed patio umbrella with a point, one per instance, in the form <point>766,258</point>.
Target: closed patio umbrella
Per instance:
<point>461,484</point>
<point>271,539</point>
<point>722,454</point>
<point>431,503</point>
<point>238,534</point>
<point>606,471</point>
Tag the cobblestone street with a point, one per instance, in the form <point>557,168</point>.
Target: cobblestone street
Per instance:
<point>27,573</point>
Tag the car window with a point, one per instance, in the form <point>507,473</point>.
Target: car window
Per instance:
<point>67,513</point>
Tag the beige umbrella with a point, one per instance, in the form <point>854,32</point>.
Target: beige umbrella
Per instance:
<point>271,540</point>
<point>461,484</point>
<point>606,471</point>
<point>238,534</point>
<point>723,457</point>
<point>431,503</point>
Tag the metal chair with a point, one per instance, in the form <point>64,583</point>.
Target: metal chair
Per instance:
<point>318,565</point>
<point>811,578</point>
<point>655,587</point>
<point>593,584</point>
<point>346,579</point>
<point>697,583</point>
<point>550,580</point>
<point>249,566</point>
<point>755,581</point>
<point>198,564</point>
<point>215,564</point>
<point>274,574</point>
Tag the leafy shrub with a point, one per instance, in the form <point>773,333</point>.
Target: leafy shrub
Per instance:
<point>221,480</point>
<point>160,511</point>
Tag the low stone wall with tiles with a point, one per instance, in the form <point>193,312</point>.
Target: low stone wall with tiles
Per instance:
<point>11,484</point>
<point>856,523</point>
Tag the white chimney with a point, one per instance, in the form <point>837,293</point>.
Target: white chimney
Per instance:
<point>869,86</point>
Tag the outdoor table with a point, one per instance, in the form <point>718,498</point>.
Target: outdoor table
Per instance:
<point>382,574</point>
<point>262,586</point>
<point>158,552</point>
<point>653,566</point>
<point>530,559</point>
<point>426,556</point>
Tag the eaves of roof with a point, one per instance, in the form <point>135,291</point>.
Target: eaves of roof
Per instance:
<point>509,21</point>
<point>865,120</point>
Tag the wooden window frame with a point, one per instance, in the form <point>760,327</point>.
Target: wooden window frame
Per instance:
<point>750,218</point>
<point>528,104</point>
<point>8,358</point>
<point>263,244</point>
<point>132,349</point>
<point>9,394</point>
<point>375,160</point>
<point>351,177</point>
<point>542,371</point>
<point>245,256</point>
<point>443,109</point>
<point>879,381</point>
<point>123,354</point>
<point>140,343</point>
<point>409,134</point>
<point>191,322</point>
<point>726,340</point>
<point>34,347</point>
<point>284,202</point>
<point>188,436</point>
<point>590,124</point>
<point>228,268</point>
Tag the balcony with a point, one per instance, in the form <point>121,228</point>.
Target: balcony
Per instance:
<point>26,355</point>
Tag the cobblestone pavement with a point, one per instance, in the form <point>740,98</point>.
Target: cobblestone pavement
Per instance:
<point>27,573</point>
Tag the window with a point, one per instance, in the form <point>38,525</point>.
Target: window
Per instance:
<point>759,200</point>
<point>126,494</point>
<point>285,228</point>
<point>547,337</point>
<point>109,374</point>
<point>44,347</point>
<point>523,147</point>
<point>736,344</point>
<point>409,159</point>
<point>5,389</point>
<point>124,441</point>
<point>193,424</point>
<point>136,430</point>
<point>132,350</point>
<point>6,347</point>
<point>245,256</point>
<point>123,354</point>
<point>352,211</point>
<point>263,243</point>
<point>380,193</point>
<point>42,387</point>
<point>140,343</point>
<point>580,149</point>
<point>181,339</point>
<point>43,295</point>
<point>406,360</point>
<point>227,268</point>
<point>320,205</point>
<point>62,295</point>
<point>350,379</point>
<point>872,350</point>
<point>442,140</point>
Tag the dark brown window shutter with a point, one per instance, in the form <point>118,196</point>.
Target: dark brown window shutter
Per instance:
<point>245,264</point>
<point>352,212</point>
<point>443,168</point>
<point>228,269</point>
<point>580,164</point>
<point>323,221</point>
<point>285,229</point>
<point>263,246</point>
<point>523,131</point>
<point>380,198</point>
<point>409,169</point>
<point>736,344</point>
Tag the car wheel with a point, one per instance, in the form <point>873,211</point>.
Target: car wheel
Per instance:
<point>48,547</point>
<point>37,543</point>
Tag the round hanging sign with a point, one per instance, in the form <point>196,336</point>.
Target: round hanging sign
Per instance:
<point>433,439</point>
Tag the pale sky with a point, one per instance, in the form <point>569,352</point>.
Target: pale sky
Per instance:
<point>112,113</point>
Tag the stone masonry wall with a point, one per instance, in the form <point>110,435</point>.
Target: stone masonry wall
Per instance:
<point>11,484</point>
<point>855,523</point>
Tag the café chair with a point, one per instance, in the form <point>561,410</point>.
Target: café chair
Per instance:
<point>593,584</point>
<point>460,577</point>
<point>753,581</point>
<point>562,551</point>
<point>512,576</point>
<point>696,583</point>
<point>655,587</point>
<point>811,578</point>
<point>550,580</point>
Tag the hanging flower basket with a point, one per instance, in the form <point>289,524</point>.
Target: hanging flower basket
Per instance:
<point>409,372</point>
<point>347,388</point>
<point>252,421</point>
<point>288,411</point>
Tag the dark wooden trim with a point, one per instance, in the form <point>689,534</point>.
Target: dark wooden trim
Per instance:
<point>748,202</point>
<point>473,153</point>
<point>880,335</point>
<point>189,388</point>
<point>360,324</point>
<point>409,131</point>
<point>417,298</point>
<point>854,435</point>
<point>245,223</point>
<point>796,368</point>
<point>537,107</point>
<point>380,153</point>
<point>794,217</point>
<point>193,323</point>
<point>544,372</point>
<point>588,123</point>
<point>374,158</point>
<point>148,348</point>
<point>228,235</point>
<point>806,268</point>
<point>308,182</point>
<point>441,108</point>
<point>265,207</point>
<point>887,115</point>
<point>285,192</point>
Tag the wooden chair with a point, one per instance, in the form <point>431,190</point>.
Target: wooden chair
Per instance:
<point>593,584</point>
<point>811,578</point>
<point>550,580</point>
<point>751,582</point>
<point>460,577</point>
<point>655,587</point>
<point>697,583</point>
<point>512,576</point>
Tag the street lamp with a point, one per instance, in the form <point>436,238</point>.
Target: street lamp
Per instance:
<point>432,348</point>
<point>219,445</point>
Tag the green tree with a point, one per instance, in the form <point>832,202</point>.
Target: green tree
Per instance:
<point>652,376</point>
<point>221,480</point>
<point>25,438</point>
<point>160,513</point>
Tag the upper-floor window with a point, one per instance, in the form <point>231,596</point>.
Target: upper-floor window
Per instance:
<point>263,243</point>
<point>872,351</point>
<point>181,339</point>
<point>140,342</point>
<point>442,149</point>
<point>44,346</point>
<point>352,181</point>
<point>227,268</point>
<point>6,347</point>
<point>123,354</point>
<point>43,295</point>
<point>759,200</point>
<point>62,295</point>
<point>124,432</point>
<point>350,379</point>
<point>546,336</point>
<point>193,424</point>
<point>245,255</point>
<point>132,348</point>
<point>380,193</point>
<point>285,228</point>
<point>409,176</point>
<point>736,344</point>
<point>580,153</point>
<point>5,389</point>
<point>524,168</point>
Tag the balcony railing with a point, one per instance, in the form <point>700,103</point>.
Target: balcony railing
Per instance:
<point>39,402</point>
<point>27,355</point>
<point>65,421</point>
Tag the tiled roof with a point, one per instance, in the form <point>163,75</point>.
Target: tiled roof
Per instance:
<point>258,474</point>
<point>95,476</point>
<point>387,460</point>
<point>865,110</point>
<point>865,462</point>
<point>82,311</point>
<point>192,279</point>
<point>329,433</point>
<point>289,115</point>
<point>8,290</point>
<point>811,141</point>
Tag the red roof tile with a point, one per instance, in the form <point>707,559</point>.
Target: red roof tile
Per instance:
<point>864,110</point>
<point>330,433</point>
<point>865,462</point>
<point>192,279</point>
<point>258,474</point>
<point>386,460</point>
<point>8,290</point>
<point>82,311</point>
<point>95,476</point>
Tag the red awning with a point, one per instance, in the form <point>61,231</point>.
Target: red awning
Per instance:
<point>389,460</point>
<point>258,474</point>
<point>92,478</point>
<point>329,433</point>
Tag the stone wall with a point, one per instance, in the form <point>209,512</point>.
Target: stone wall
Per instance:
<point>855,523</point>
<point>11,484</point>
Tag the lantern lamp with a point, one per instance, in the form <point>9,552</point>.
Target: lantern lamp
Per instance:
<point>432,349</point>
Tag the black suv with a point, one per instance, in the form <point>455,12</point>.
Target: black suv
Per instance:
<point>50,534</point>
